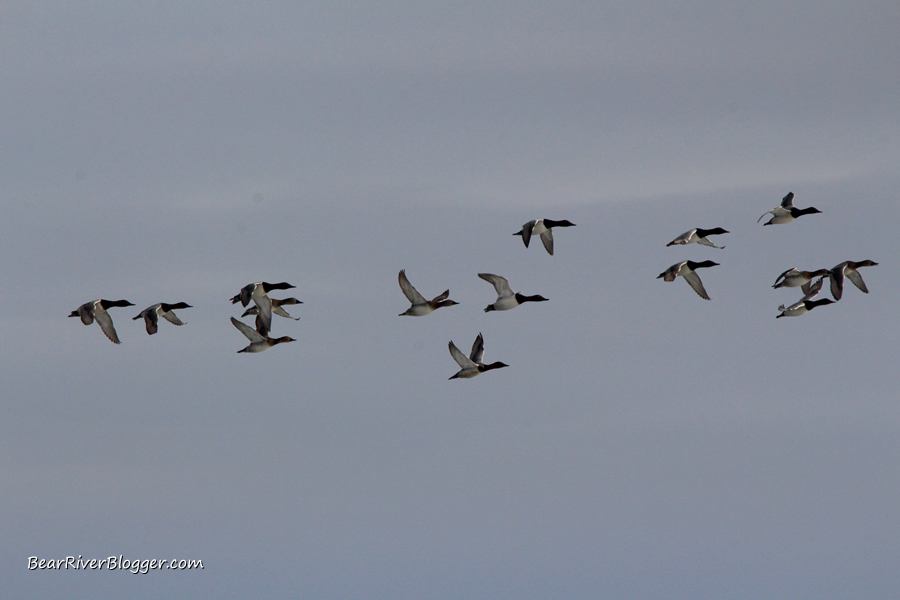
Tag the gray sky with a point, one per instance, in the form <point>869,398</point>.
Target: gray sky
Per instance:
<point>643,443</point>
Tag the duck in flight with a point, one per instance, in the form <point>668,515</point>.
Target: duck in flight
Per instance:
<point>95,310</point>
<point>472,365</point>
<point>258,341</point>
<point>687,269</point>
<point>848,268</point>
<point>802,279</point>
<point>698,236</point>
<point>151,315</point>
<point>787,212</point>
<point>420,306</point>
<point>506,298</point>
<point>805,304</point>
<point>543,228</point>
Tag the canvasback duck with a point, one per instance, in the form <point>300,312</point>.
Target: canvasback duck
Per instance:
<point>258,292</point>
<point>258,341</point>
<point>543,228</point>
<point>151,315</point>
<point>277,309</point>
<point>805,304</point>
<point>506,299</point>
<point>787,212</point>
<point>687,269</point>
<point>801,308</point>
<point>848,268</point>
<point>802,279</point>
<point>421,306</point>
<point>96,310</point>
<point>787,203</point>
<point>472,365</point>
<point>698,236</point>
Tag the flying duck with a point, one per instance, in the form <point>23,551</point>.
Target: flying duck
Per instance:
<point>686,269</point>
<point>801,308</point>
<point>848,268</point>
<point>802,279</point>
<point>421,306</point>
<point>258,341</point>
<point>698,236</point>
<point>543,228</point>
<point>506,299</point>
<point>787,212</point>
<point>96,309</point>
<point>805,304</point>
<point>472,365</point>
<point>151,315</point>
<point>258,292</point>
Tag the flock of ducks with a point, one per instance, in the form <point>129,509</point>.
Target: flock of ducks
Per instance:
<point>507,299</point>
<point>784,213</point>
<point>96,310</point>
<point>264,307</point>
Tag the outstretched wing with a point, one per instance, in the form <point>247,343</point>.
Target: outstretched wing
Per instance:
<point>526,232</point>
<point>501,285</point>
<point>836,274</point>
<point>854,276</point>
<point>694,281</point>
<point>705,242</point>
<point>250,333</point>
<point>461,359</point>
<point>106,324</point>
<point>547,240</point>
<point>172,318</point>
<point>411,293</point>
<point>477,354</point>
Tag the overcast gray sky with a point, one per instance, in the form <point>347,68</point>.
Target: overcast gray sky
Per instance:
<point>643,443</point>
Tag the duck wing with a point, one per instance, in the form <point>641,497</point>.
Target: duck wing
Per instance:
<point>251,334</point>
<point>461,359</point>
<point>278,310</point>
<point>812,289</point>
<point>106,324</point>
<point>441,297</point>
<point>836,275</point>
<point>705,242</point>
<point>527,228</point>
<point>151,319</point>
<point>501,285</point>
<point>781,277</point>
<point>172,318</point>
<point>672,272</point>
<point>854,276</point>
<point>264,318</point>
<point>477,355</point>
<point>245,294</point>
<point>84,311</point>
<point>806,286</point>
<point>547,240</point>
<point>411,293</point>
<point>694,281</point>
